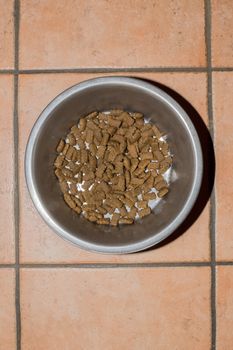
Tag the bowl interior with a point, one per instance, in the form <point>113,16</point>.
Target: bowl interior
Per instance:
<point>105,97</point>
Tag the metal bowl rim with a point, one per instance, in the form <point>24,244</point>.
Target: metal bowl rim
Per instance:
<point>198,165</point>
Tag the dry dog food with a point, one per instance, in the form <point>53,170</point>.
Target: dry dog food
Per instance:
<point>111,165</point>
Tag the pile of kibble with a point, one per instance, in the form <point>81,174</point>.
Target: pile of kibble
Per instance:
<point>110,165</point>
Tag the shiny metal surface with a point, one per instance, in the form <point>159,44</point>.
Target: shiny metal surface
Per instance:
<point>104,94</point>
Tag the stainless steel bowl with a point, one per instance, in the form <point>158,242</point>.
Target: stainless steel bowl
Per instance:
<point>104,94</point>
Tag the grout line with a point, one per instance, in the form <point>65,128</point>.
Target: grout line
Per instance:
<point>212,199</point>
<point>115,70</point>
<point>222,69</point>
<point>224,263</point>
<point>16,177</point>
<point>118,265</point>
<point>7,71</point>
<point>115,265</point>
<point>118,70</point>
<point>16,211</point>
<point>7,266</point>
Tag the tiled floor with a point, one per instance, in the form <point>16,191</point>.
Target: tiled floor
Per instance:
<point>56,296</point>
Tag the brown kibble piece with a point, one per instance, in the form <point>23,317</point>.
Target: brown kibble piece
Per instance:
<point>164,147</point>
<point>137,115</point>
<point>147,155</point>
<point>79,177</point>
<point>114,220</point>
<point>109,209</point>
<point>84,156</point>
<point>132,213</point>
<point>92,162</point>
<point>59,175</point>
<point>128,202</point>
<point>77,209</point>
<point>158,179</point>
<point>68,199</point>
<point>144,212</point>
<point>80,143</point>
<point>71,139</point>
<point>137,182</point>
<point>89,136</point>
<point>59,161</point>
<point>114,122</point>
<point>112,154</point>
<point>154,173</point>
<point>163,168</point>
<point>127,178</point>
<point>122,147</point>
<point>134,164</point>
<point>64,187</point>
<point>160,185</point>
<point>127,119</point>
<point>149,196</point>
<point>93,149</point>
<point>125,221</point>
<point>80,196</point>
<point>156,131</point>
<point>98,134</point>
<point>116,112</point>
<point>139,123</point>
<point>111,130</point>
<point>158,155</point>
<point>87,184</point>
<point>119,168</point>
<point>123,211</point>
<point>77,201</point>
<point>70,152</point>
<point>65,149</point>
<point>92,115</point>
<point>67,172</point>
<point>162,192</point>
<point>114,202</point>
<point>126,163</point>
<point>102,210</point>
<point>142,204</point>
<point>82,124</point>
<point>133,150</point>
<point>121,183</point>
<point>147,133</point>
<point>146,148</point>
<point>101,151</point>
<point>100,170</point>
<point>75,130</point>
<point>73,188</point>
<point>118,138</point>
<point>133,138</point>
<point>105,139</point>
<point>130,195</point>
<point>60,146</point>
<point>153,166</point>
<point>103,221</point>
<point>121,131</point>
<point>88,176</point>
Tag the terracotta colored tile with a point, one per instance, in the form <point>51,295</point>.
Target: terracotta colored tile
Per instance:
<point>6,170</point>
<point>222,33</point>
<point>109,308</point>
<point>7,310</point>
<point>6,34</point>
<point>224,307</point>
<point>111,33</point>
<point>38,242</point>
<point>223,105</point>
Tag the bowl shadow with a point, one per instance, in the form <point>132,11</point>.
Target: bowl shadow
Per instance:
<point>208,164</point>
